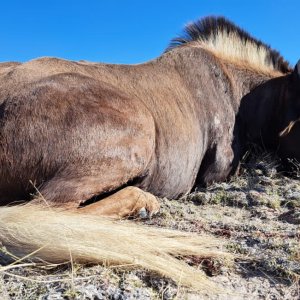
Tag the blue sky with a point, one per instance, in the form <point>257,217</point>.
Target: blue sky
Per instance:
<point>133,31</point>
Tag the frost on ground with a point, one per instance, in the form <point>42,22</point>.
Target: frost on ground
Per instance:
<point>257,212</point>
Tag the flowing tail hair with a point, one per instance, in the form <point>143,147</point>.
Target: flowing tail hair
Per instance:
<point>61,236</point>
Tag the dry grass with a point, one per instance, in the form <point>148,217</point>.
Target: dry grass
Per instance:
<point>256,213</point>
<point>60,236</point>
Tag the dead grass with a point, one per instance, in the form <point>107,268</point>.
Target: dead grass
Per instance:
<point>62,236</point>
<point>256,214</point>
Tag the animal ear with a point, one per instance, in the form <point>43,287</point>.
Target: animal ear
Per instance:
<point>297,70</point>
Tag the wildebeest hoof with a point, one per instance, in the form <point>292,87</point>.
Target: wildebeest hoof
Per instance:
<point>143,214</point>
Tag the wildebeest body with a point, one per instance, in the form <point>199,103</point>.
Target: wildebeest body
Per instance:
<point>76,130</point>
<point>101,126</point>
<point>70,131</point>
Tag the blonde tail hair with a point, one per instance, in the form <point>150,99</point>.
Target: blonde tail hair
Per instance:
<point>60,234</point>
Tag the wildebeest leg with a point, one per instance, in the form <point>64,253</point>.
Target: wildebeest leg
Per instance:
<point>126,202</point>
<point>74,194</point>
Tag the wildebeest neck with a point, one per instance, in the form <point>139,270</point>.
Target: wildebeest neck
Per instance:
<point>218,86</point>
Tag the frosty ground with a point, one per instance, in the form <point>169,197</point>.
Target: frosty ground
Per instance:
<point>257,212</point>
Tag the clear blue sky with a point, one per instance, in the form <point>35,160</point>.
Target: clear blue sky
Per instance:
<point>133,31</point>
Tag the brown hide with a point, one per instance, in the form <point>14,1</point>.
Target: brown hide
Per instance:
<point>78,130</point>
<point>75,130</point>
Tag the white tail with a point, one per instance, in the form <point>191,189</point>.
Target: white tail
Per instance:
<point>59,234</point>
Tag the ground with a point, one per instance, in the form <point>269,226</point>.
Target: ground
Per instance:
<point>257,212</point>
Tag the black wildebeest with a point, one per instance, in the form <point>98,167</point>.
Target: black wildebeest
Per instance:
<point>80,132</point>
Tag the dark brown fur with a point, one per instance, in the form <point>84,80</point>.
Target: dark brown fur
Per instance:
<point>76,130</point>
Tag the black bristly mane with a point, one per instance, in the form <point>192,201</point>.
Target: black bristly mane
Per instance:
<point>215,31</point>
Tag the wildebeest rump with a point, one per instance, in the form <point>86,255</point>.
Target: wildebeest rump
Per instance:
<point>76,130</point>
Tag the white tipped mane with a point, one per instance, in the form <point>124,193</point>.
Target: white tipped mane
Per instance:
<point>231,47</point>
<point>228,41</point>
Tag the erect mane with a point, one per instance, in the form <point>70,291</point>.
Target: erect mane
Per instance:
<point>221,36</point>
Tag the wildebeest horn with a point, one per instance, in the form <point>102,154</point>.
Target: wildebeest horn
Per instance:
<point>288,128</point>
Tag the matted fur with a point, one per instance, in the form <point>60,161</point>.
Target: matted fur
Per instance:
<point>227,40</point>
<point>62,234</point>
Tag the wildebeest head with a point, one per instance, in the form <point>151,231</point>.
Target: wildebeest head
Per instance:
<point>289,136</point>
